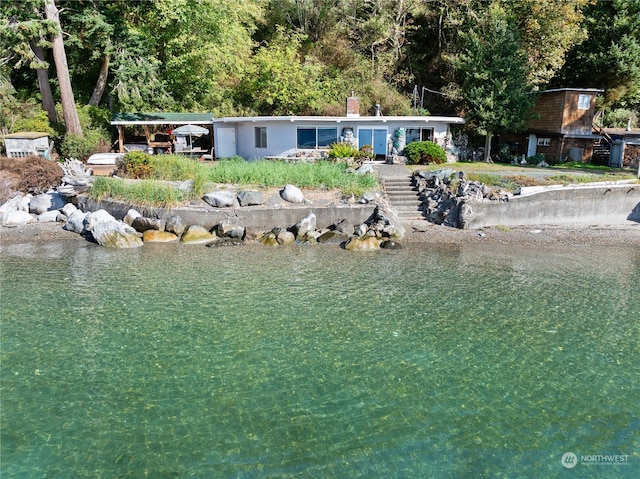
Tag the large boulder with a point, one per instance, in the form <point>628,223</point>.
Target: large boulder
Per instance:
<point>16,218</point>
<point>97,217</point>
<point>285,237</point>
<point>76,222</point>
<point>220,199</point>
<point>69,209</point>
<point>142,224</point>
<point>49,216</point>
<point>231,227</point>
<point>115,234</point>
<point>17,203</point>
<point>131,216</point>
<point>196,234</point>
<point>175,225</point>
<point>46,202</point>
<point>333,237</point>
<point>368,243</point>
<point>250,198</point>
<point>292,194</point>
<point>306,224</point>
<point>269,239</point>
<point>155,236</point>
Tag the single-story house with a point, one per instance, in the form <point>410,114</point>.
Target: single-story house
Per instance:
<point>287,136</point>
<point>157,129</point>
<point>20,145</point>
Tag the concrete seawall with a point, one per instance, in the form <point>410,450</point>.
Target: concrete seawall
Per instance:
<point>585,204</point>
<point>255,218</point>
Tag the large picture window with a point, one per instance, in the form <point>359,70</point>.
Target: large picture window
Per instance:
<point>419,134</point>
<point>261,136</point>
<point>312,138</point>
<point>584,102</point>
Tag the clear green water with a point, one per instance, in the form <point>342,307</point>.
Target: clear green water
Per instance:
<point>314,362</point>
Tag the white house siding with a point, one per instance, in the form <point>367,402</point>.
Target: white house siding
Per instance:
<point>281,135</point>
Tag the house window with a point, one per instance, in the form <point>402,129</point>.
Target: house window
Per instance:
<point>419,134</point>
<point>261,136</point>
<point>544,141</point>
<point>313,138</point>
<point>584,102</point>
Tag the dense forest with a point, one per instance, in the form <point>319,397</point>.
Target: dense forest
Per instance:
<point>65,66</point>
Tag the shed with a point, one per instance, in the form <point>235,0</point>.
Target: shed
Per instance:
<point>152,122</point>
<point>21,145</point>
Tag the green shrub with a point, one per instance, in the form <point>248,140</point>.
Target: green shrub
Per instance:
<point>424,152</point>
<point>75,146</point>
<point>342,150</point>
<point>535,159</point>
<point>137,164</point>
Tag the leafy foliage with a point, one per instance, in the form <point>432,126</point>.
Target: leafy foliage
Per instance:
<point>424,152</point>
<point>342,150</point>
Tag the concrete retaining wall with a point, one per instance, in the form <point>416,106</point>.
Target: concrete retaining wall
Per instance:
<point>585,204</point>
<point>255,218</point>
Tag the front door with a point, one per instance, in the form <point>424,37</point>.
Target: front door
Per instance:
<point>376,137</point>
<point>226,143</point>
<point>533,145</point>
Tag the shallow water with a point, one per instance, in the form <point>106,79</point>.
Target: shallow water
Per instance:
<point>251,362</point>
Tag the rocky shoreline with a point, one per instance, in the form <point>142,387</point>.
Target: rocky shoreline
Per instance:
<point>619,235</point>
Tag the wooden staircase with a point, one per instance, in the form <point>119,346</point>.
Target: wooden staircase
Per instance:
<point>403,198</point>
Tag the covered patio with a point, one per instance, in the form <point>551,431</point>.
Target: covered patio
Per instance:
<point>158,132</point>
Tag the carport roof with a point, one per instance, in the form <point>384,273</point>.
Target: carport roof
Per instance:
<point>162,118</point>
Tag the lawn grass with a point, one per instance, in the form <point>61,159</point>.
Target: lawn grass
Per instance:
<point>325,175</point>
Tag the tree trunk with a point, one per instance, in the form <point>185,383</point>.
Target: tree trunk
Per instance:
<point>101,83</point>
<point>71,120</point>
<point>487,147</point>
<point>45,87</point>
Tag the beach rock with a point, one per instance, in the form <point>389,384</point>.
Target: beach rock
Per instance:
<point>292,194</point>
<point>68,209</point>
<point>231,227</point>
<point>115,234</point>
<point>49,216</point>
<point>196,234</point>
<point>220,199</point>
<point>175,225</point>
<point>308,223</point>
<point>155,236</point>
<point>333,237</point>
<point>76,222</point>
<point>250,198</point>
<point>46,202</point>
<point>269,239</point>
<point>97,217</point>
<point>17,203</point>
<point>16,218</point>
<point>368,197</point>
<point>343,226</point>
<point>368,243</point>
<point>142,224</point>
<point>365,170</point>
<point>285,238</point>
<point>311,236</point>
<point>360,230</point>
<point>225,242</point>
<point>390,244</point>
<point>131,216</point>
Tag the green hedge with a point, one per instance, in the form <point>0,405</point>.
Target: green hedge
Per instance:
<point>424,152</point>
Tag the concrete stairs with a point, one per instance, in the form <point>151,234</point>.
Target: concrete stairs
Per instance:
<point>403,198</point>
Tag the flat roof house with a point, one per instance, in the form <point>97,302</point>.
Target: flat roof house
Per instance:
<point>290,136</point>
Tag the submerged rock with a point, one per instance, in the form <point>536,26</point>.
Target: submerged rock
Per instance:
<point>390,244</point>
<point>225,242</point>
<point>333,237</point>
<point>269,239</point>
<point>285,237</point>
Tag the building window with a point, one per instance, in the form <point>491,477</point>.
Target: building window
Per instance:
<point>584,102</point>
<point>313,138</point>
<point>261,136</point>
<point>419,134</point>
<point>544,141</point>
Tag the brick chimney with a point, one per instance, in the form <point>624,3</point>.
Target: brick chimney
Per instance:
<point>353,105</point>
